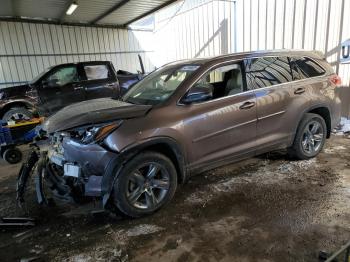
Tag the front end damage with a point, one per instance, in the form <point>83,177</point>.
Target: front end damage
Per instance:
<point>68,168</point>
<point>69,159</point>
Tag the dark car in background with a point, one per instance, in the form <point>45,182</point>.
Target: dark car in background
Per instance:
<point>62,85</point>
<point>185,118</point>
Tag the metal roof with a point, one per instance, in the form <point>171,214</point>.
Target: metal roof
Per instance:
<point>118,13</point>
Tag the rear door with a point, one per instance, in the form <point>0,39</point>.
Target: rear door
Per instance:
<point>306,73</point>
<point>60,87</point>
<point>271,78</point>
<point>310,83</point>
<point>99,80</point>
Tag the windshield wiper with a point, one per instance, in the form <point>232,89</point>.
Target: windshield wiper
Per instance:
<point>131,101</point>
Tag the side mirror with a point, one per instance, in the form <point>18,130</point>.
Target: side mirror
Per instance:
<point>198,93</point>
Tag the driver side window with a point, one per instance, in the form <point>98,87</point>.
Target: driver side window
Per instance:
<point>62,76</point>
<point>222,81</point>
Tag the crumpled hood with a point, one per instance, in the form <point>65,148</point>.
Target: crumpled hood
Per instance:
<point>93,112</point>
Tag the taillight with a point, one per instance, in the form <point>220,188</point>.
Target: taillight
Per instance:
<point>335,79</point>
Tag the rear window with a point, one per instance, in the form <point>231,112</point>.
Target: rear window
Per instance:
<point>267,71</point>
<point>94,72</point>
<point>306,68</point>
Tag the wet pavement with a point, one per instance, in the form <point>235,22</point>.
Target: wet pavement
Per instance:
<point>263,209</point>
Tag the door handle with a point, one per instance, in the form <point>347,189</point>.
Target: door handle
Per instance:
<point>247,105</point>
<point>78,87</point>
<point>108,85</point>
<point>299,91</point>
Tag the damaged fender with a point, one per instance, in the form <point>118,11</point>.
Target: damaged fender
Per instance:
<point>116,164</point>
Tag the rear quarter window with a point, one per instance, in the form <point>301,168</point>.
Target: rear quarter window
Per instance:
<point>267,71</point>
<point>95,72</point>
<point>306,68</point>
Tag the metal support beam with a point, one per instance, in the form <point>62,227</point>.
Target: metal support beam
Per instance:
<point>109,11</point>
<point>149,12</point>
<point>56,22</point>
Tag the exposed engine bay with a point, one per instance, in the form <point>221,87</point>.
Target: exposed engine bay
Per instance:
<point>57,175</point>
<point>46,164</point>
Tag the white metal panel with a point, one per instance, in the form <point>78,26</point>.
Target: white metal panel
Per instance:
<point>89,10</point>
<point>131,10</point>
<point>52,9</point>
<point>6,7</point>
<point>26,49</point>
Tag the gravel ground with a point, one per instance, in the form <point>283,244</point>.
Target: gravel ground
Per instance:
<point>262,209</point>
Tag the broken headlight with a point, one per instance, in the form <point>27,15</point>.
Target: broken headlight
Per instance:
<point>97,133</point>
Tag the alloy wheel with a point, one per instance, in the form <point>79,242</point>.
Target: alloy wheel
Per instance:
<point>148,185</point>
<point>312,137</point>
<point>18,117</point>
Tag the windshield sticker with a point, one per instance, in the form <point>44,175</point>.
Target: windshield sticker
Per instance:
<point>190,67</point>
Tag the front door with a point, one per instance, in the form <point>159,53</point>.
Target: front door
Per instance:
<point>60,87</point>
<point>223,128</point>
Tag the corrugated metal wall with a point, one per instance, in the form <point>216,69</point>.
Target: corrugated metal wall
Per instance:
<point>298,24</point>
<point>187,29</point>
<point>200,28</point>
<point>26,49</point>
<point>194,28</point>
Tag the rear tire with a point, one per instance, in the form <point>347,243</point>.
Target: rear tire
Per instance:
<point>145,184</point>
<point>310,137</point>
<point>16,114</point>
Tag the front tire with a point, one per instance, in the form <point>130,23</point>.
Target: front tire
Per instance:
<point>17,114</point>
<point>310,137</point>
<point>145,184</point>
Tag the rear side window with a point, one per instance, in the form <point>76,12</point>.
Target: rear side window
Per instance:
<point>267,71</point>
<point>306,68</point>
<point>95,72</point>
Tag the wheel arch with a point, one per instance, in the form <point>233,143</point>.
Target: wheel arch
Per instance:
<point>324,112</point>
<point>13,104</point>
<point>319,109</point>
<point>164,145</point>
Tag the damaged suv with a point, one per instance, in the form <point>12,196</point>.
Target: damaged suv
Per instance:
<point>185,118</point>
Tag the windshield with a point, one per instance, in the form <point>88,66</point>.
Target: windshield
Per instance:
<point>40,75</point>
<point>159,85</point>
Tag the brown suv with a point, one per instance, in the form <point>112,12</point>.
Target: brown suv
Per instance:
<point>185,118</point>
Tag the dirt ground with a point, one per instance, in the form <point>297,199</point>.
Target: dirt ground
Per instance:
<point>261,209</point>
